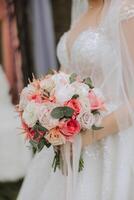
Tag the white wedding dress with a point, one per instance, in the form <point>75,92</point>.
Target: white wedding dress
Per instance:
<point>15,157</point>
<point>109,164</point>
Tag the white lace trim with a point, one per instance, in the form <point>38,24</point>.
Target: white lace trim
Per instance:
<point>127,12</point>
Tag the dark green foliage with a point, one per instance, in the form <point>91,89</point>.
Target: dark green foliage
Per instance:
<point>61,112</point>
<point>73,78</point>
<point>75,96</point>
<point>88,82</point>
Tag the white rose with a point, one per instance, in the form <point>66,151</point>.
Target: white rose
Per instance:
<point>45,118</point>
<point>98,93</point>
<point>27,91</point>
<point>81,89</point>
<point>86,119</point>
<point>64,93</point>
<point>47,84</point>
<point>60,78</point>
<point>30,114</point>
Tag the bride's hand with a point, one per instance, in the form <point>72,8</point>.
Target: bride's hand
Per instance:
<point>87,138</point>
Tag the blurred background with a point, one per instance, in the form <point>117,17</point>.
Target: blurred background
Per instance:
<point>29,33</point>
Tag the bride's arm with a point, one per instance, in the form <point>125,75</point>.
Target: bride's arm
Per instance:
<point>110,127</point>
<point>110,122</point>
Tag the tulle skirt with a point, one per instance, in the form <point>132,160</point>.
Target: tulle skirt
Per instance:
<point>108,173</point>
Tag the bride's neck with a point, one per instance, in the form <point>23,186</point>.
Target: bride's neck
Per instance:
<point>96,3</point>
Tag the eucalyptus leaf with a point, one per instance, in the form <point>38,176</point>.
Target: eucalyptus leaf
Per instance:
<point>61,112</point>
<point>88,82</point>
<point>58,112</point>
<point>68,112</point>
<point>73,77</point>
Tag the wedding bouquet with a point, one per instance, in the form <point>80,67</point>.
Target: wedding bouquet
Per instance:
<point>56,108</point>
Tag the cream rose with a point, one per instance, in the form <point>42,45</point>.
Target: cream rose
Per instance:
<point>64,93</point>
<point>81,89</point>
<point>30,114</point>
<point>45,118</point>
<point>26,92</point>
<point>86,120</point>
<point>47,84</point>
<point>60,78</point>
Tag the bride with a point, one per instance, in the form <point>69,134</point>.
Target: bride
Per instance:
<point>100,45</point>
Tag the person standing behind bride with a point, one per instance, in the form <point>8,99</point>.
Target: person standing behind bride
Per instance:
<point>99,45</point>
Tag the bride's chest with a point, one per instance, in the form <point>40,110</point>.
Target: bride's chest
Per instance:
<point>88,49</point>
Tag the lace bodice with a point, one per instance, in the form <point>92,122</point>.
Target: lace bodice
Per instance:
<point>89,48</point>
<point>86,54</point>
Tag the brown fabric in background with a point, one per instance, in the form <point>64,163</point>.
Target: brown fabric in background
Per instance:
<point>62,16</point>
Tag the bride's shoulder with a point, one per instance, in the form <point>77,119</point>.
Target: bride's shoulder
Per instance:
<point>127,9</point>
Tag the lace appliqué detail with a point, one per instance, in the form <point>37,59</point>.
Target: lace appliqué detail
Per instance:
<point>127,12</point>
<point>62,53</point>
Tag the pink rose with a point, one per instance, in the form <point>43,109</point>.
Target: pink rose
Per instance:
<point>74,104</point>
<point>96,103</point>
<point>70,128</point>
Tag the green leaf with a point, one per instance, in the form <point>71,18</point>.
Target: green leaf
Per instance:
<point>81,164</point>
<point>34,144</point>
<point>43,142</point>
<point>47,144</point>
<point>95,112</point>
<point>36,135</point>
<point>39,127</point>
<point>41,145</point>
<point>95,128</point>
<point>61,112</point>
<point>56,161</point>
<point>68,112</point>
<point>88,82</point>
<point>73,77</point>
<point>57,113</point>
<point>75,96</point>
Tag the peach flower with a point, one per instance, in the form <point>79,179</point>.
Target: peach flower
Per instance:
<point>55,137</point>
